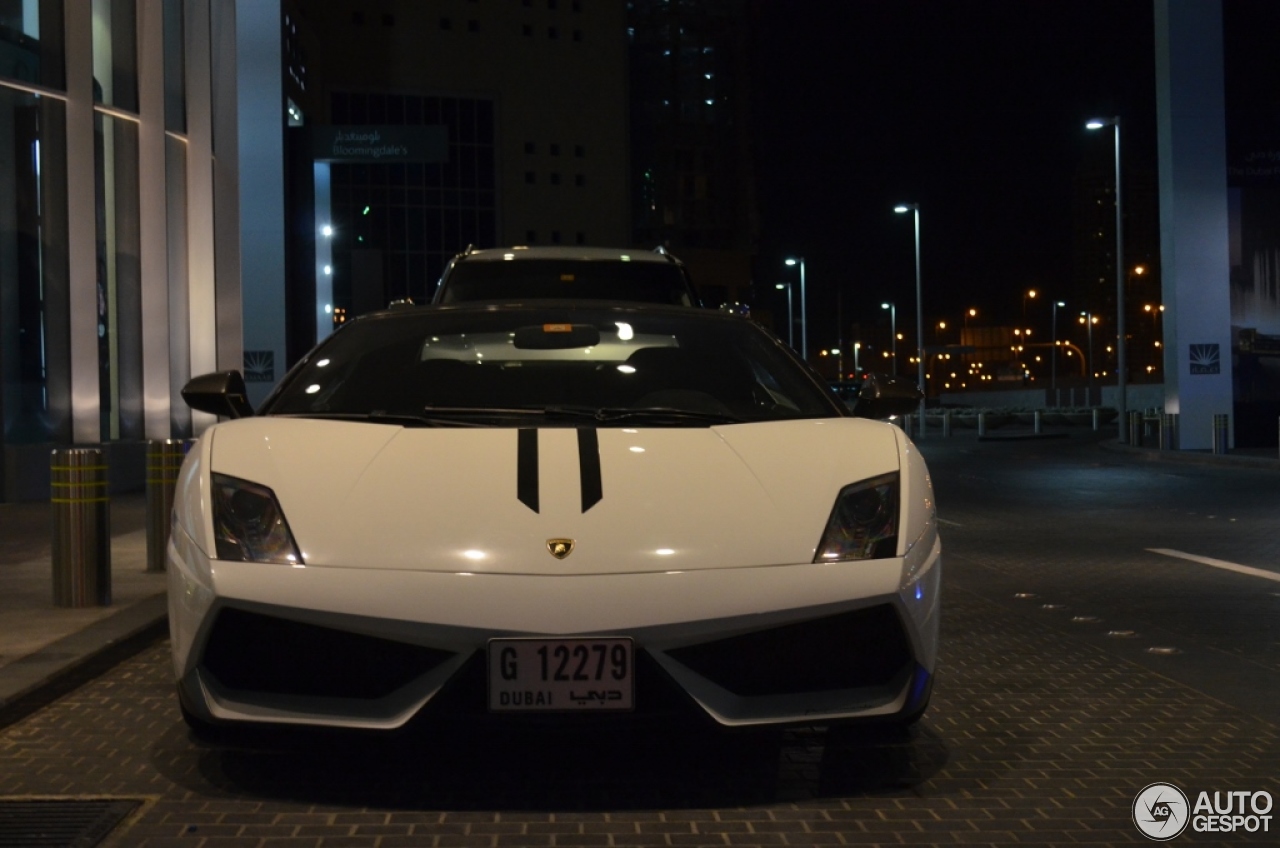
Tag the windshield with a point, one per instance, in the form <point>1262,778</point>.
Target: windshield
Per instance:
<point>573,364</point>
<point>638,281</point>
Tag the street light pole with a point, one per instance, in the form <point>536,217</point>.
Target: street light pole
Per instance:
<point>893,333</point>
<point>1121,388</point>
<point>1053,353</point>
<point>804,321</point>
<point>791,321</point>
<point>915,208</point>
<point>1088,321</point>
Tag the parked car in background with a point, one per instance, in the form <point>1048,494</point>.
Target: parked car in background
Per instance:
<point>595,273</point>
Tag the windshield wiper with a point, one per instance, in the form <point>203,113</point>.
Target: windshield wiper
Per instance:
<point>651,414</point>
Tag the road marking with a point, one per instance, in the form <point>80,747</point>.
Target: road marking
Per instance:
<point>950,523</point>
<point>1219,563</point>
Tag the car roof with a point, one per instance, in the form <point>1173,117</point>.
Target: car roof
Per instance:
<point>589,254</point>
<point>544,304</point>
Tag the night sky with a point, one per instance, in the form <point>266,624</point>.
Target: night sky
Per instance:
<point>974,109</point>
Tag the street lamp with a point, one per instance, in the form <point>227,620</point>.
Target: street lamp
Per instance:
<point>1089,320</point>
<point>893,332</point>
<point>1053,353</point>
<point>1097,124</point>
<point>915,209</point>
<point>804,322</point>
<point>791,321</point>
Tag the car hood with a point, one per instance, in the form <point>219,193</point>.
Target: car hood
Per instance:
<point>497,500</point>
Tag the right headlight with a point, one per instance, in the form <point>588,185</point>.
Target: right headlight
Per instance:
<point>863,523</point>
<point>248,524</point>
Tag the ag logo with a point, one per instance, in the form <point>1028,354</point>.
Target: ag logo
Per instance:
<point>1161,811</point>
<point>560,548</point>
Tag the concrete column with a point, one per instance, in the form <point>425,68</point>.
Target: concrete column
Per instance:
<point>261,151</point>
<point>86,406</point>
<point>1193,215</point>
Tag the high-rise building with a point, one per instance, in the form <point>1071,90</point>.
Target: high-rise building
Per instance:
<point>428,127</point>
<point>691,162</point>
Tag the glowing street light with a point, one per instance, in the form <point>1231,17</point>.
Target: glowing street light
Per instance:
<point>1089,319</point>
<point>1053,354</point>
<point>791,321</point>
<point>914,208</point>
<point>804,323</point>
<point>1097,124</point>
<point>893,331</point>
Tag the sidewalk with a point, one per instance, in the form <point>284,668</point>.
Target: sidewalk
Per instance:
<point>40,642</point>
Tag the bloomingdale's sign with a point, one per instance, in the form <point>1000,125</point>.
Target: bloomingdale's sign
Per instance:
<point>380,144</point>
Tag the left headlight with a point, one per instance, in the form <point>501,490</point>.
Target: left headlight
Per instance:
<point>248,524</point>
<point>863,523</point>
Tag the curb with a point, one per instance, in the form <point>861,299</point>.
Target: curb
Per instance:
<point>1194,457</point>
<point>37,678</point>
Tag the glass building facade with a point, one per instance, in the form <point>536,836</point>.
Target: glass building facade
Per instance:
<point>110,291</point>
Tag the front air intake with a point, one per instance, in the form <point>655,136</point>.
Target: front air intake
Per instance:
<point>851,650</point>
<point>252,652</point>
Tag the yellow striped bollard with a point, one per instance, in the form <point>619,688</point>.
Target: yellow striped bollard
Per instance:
<point>80,504</point>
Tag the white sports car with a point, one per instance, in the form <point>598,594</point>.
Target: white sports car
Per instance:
<point>564,508</point>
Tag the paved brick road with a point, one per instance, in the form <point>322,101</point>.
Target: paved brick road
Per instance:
<point>1038,734</point>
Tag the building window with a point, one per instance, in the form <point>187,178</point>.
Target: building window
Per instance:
<point>357,18</point>
<point>582,238</point>
<point>555,236</point>
<point>530,147</point>
<point>577,35</point>
<point>555,179</point>
<point>418,215</point>
<point>553,33</point>
<point>115,52</point>
<point>530,177</point>
<point>579,180</point>
<point>530,237</point>
<point>473,26</point>
<point>445,23</point>
<point>36,377</point>
<point>527,30</point>
<point>579,151</point>
<point>389,20</point>
<point>555,150</point>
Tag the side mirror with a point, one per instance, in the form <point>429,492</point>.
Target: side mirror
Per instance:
<point>221,393</point>
<point>884,396</point>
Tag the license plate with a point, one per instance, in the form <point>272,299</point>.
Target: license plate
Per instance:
<point>560,674</point>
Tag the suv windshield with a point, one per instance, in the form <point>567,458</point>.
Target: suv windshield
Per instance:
<point>593,279</point>
<point>563,363</point>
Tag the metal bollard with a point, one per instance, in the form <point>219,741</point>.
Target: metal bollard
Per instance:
<point>946,422</point>
<point>81,517</point>
<point>982,423</point>
<point>1036,421</point>
<point>1220,432</point>
<point>1135,428</point>
<point>164,459</point>
<point>1168,431</point>
<point>1097,419</point>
